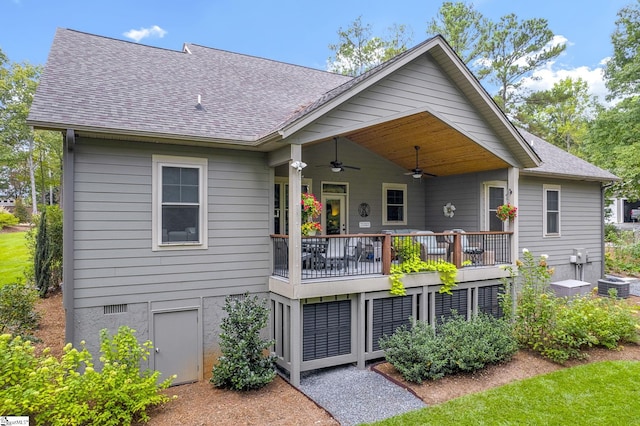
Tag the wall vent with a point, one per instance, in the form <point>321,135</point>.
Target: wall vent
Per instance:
<point>115,309</point>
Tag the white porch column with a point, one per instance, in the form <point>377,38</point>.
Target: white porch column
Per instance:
<point>295,261</point>
<point>295,216</point>
<point>512,194</point>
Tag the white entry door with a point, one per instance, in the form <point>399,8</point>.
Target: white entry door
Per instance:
<point>176,348</point>
<point>334,218</point>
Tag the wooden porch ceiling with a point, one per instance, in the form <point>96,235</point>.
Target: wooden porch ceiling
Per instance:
<point>443,150</point>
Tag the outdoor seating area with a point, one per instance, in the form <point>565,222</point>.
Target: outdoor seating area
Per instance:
<point>329,256</point>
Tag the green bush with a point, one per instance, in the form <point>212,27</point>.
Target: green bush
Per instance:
<point>244,364</point>
<point>17,309</point>
<point>45,243</point>
<point>561,328</point>
<point>71,391</point>
<point>457,345</point>
<point>42,258</point>
<point>623,252</point>
<point>7,219</point>
<point>21,211</point>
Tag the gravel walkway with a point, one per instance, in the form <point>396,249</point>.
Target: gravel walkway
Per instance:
<point>354,396</point>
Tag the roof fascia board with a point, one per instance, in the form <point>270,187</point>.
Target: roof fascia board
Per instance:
<point>230,140</point>
<point>534,173</point>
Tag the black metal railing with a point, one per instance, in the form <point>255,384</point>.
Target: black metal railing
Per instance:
<point>329,256</point>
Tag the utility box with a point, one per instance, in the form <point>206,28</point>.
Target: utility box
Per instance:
<point>569,288</point>
<point>621,286</point>
<point>581,256</point>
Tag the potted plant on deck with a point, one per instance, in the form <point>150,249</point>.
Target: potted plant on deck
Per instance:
<point>311,208</point>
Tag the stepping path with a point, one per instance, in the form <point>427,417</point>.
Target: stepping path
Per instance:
<point>354,396</point>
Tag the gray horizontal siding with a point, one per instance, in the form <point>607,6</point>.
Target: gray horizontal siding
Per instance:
<point>464,192</point>
<point>114,262</point>
<point>421,84</point>
<point>580,220</point>
<point>365,186</point>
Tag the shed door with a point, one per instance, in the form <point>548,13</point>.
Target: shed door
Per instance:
<point>175,339</point>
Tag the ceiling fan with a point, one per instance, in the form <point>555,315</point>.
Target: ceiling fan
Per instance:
<point>417,172</point>
<point>336,165</point>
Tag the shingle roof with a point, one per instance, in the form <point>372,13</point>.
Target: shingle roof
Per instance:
<point>146,90</point>
<point>558,162</point>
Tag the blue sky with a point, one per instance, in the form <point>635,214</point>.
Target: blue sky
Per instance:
<point>295,31</point>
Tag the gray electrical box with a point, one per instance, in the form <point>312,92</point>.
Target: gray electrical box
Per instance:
<point>581,255</point>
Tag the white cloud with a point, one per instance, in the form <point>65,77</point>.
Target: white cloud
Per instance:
<point>137,35</point>
<point>545,78</point>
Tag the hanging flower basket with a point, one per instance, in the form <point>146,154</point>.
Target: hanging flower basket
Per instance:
<point>311,228</point>
<point>311,208</point>
<point>507,212</point>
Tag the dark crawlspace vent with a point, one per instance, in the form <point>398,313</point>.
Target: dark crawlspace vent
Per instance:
<point>115,309</point>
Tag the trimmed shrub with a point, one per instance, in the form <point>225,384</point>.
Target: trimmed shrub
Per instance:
<point>456,345</point>
<point>21,211</point>
<point>7,219</point>
<point>562,328</point>
<point>56,391</point>
<point>42,258</point>
<point>244,364</point>
<point>17,309</point>
<point>45,243</point>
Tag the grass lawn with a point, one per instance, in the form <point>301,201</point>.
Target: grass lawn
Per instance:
<point>14,257</point>
<point>601,393</point>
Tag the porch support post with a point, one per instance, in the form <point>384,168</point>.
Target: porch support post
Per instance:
<point>512,196</point>
<point>360,330</point>
<point>295,263</point>
<point>295,343</point>
<point>295,217</point>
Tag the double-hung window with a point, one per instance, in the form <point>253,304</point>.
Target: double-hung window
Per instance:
<point>179,202</point>
<point>394,204</point>
<point>551,210</point>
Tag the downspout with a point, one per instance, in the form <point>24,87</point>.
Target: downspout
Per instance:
<point>68,285</point>
<point>603,188</point>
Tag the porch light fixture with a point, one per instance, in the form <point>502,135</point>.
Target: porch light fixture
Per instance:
<point>299,165</point>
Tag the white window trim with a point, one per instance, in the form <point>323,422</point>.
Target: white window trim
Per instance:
<point>158,161</point>
<point>545,189</point>
<point>395,186</point>
<point>484,210</point>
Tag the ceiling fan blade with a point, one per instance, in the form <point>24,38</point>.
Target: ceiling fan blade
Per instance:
<point>351,167</point>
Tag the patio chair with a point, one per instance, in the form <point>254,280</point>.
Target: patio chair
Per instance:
<point>430,248</point>
<point>471,250</point>
<point>336,255</point>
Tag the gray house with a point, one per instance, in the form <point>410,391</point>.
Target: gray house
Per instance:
<point>183,174</point>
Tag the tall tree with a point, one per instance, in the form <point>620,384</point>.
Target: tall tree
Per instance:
<point>614,136</point>
<point>512,50</point>
<point>623,69</point>
<point>463,27</point>
<point>358,50</point>
<point>17,87</point>
<point>559,115</point>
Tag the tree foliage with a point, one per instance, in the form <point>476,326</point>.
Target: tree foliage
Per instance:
<point>513,50</point>
<point>559,115</point>
<point>30,162</point>
<point>463,27</point>
<point>613,140</point>
<point>623,69</point>
<point>358,50</point>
